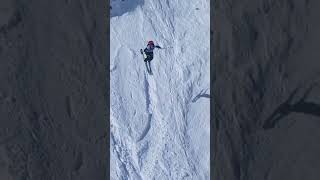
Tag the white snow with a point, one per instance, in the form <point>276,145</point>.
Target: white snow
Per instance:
<point>160,123</point>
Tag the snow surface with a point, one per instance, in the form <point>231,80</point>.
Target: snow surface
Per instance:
<point>160,123</point>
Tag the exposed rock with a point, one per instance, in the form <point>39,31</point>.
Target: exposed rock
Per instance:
<point>266,89</point>
<point>53,100</point>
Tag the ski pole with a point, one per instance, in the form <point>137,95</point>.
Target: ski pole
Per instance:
<point>167,47</point>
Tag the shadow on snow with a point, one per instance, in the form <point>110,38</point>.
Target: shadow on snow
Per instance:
<point>120,7</point>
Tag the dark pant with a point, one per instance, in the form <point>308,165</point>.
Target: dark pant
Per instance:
<point>149,57</point>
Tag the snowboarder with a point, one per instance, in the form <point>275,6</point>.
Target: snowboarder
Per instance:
<point>148,54</point>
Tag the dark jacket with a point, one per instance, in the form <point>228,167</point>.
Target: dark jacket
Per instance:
<point>149,52</point>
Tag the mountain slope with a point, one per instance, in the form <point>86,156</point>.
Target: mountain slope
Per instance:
<point>160,123</point>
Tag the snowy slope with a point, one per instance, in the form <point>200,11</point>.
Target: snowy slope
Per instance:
<point>160,123</point>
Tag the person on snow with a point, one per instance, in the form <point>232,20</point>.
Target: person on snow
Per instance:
<point>148,51</point>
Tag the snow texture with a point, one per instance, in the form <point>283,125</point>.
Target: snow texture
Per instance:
<point>160,123</point>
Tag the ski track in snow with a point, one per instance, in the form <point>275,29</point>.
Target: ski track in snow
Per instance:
<point>157,130</point>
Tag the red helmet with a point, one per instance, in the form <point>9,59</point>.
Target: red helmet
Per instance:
<point>150,42</point>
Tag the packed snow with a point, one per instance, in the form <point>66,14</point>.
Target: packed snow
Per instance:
<point>160,123</point>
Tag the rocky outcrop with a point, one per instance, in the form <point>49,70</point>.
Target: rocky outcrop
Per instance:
<point>266,90</point>
<point>53,93</point>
